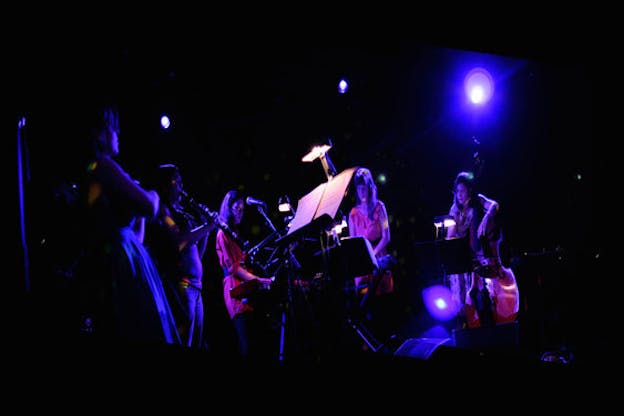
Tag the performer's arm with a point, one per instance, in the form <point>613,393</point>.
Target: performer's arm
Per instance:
<point>385,231</point>
<point>145,202</point>
<point>229,260</point>
<point>491,209</point>
<point>182,239</point>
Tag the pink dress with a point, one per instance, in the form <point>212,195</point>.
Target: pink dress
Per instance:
<point>363,226</point>
<point>230,258</point>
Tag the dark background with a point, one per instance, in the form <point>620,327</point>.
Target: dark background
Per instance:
<point>245,112</point>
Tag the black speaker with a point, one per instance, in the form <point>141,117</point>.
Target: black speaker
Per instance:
<point>498,337</point>
<point>422,348</point>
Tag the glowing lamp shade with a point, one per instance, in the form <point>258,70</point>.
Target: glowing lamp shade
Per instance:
<point>479,86</point>
<point>283,204</point>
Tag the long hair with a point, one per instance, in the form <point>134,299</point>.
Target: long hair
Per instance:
<point>164,175</point>
<point>105,119</point>
<point>225,211</point>
<point>363,176</point>
<point>467,179</point>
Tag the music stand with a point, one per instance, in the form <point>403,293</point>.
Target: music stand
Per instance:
<point>353,257</point>
<point>455,255</point>
<point>315,213</point>
<point>317,208</point>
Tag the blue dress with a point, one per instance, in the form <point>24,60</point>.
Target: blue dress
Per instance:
<point>121,289</point>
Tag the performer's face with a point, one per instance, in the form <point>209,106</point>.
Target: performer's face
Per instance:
<point>237,210</point>
<point>175,188</point>
<point>462,193</point>
<point>110,138</point>
<point>362,192</point>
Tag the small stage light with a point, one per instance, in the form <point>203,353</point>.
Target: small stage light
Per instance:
<point>165,122</point>
<point>343,86</point>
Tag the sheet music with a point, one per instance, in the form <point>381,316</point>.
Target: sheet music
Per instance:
<point>324,199</point>
<point>334,192</point>
<point>306,208</point>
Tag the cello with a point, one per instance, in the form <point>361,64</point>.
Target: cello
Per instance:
<point>501,282</point>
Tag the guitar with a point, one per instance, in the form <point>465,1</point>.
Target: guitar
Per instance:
<point>249,288</point>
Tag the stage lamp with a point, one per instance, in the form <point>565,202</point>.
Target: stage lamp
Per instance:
<point>337,228</point>
<point>317,151</point>
<point>283,205</point>
<point>320,152</point>
<point>441,224</point>
<point>333,233</point>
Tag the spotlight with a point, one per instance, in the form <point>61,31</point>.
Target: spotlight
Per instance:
<point>165,122</point>
<point>479,86</point>
<point>437,299</point>
<point>343,86</point>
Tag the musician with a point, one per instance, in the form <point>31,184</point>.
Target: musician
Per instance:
<point>250,327</point>
<point>368,218</point>
<point>120,287</point>
<point>178,241</point>
<point>476,217</point>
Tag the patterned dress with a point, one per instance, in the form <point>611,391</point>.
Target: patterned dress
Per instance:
<point>501,286</point>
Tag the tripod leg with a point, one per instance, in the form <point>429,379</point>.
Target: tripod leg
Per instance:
<point>365,334</point>
<point>282,336</point>
<point>483,304</point>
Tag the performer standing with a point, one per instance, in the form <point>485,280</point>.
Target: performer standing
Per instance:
<point>121,291</point>
<point>179,243</point>
<point>250,327</point>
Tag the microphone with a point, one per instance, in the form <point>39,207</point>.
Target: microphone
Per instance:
<point>254,201</point>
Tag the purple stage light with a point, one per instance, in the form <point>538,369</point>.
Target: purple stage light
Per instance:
<point>165,122</point>
<point>343,86</point>
<point>437,300</point>
<point>479,86</point>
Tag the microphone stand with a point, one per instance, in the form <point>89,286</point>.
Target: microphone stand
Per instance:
<point>291,266</point>
<point>23,176</point>
<point>267,221</point>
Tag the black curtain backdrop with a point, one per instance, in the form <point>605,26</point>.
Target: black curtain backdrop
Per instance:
<point>245,113</point>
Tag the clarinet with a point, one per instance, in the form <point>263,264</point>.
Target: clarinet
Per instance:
<point>214,217</point>
<point>211,216</point>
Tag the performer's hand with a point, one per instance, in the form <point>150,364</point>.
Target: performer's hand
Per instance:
<point>265,282</point>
